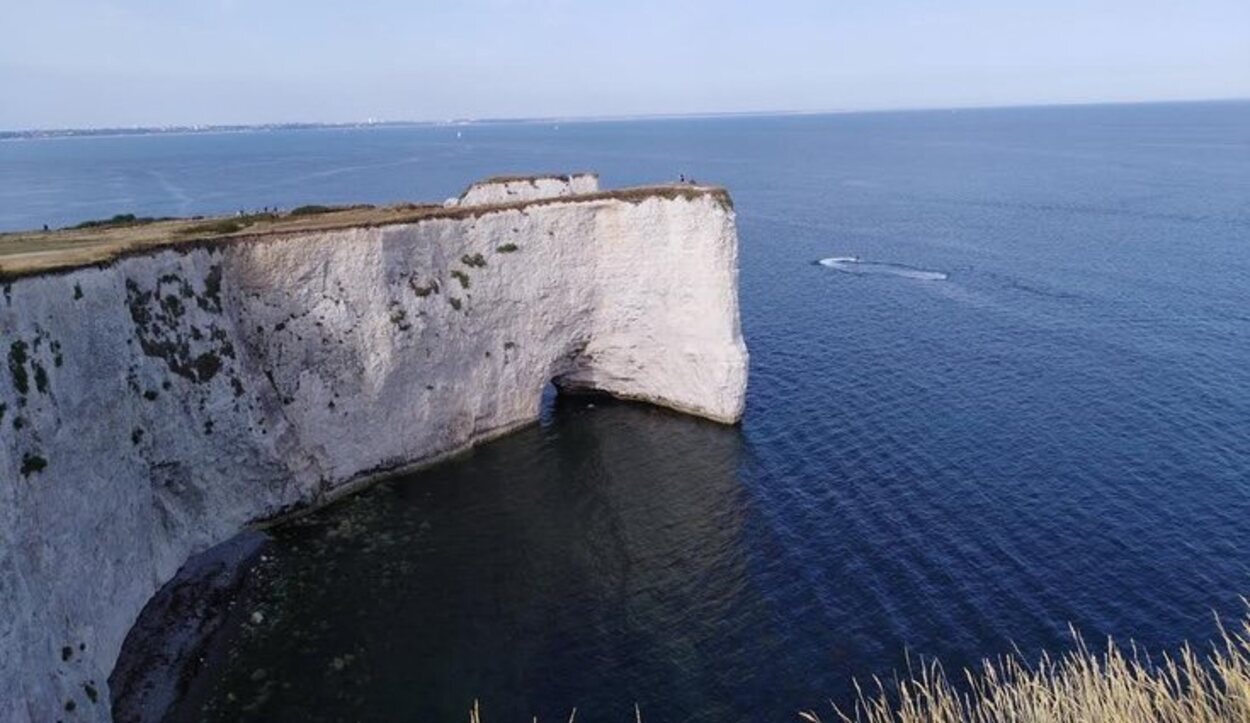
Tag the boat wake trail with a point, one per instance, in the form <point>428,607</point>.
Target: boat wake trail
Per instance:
<point>854,265</point>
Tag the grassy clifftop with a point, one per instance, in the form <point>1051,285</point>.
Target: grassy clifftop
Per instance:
<point>27,253</point>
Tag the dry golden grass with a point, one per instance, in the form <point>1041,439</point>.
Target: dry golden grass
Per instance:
<point>1085,686</point>
<point>27,253</point>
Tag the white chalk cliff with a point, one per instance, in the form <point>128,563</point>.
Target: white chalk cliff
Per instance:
<point>156,404</point>
<point>510,189</point>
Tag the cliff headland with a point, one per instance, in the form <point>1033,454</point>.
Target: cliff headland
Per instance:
<point>167,383</point>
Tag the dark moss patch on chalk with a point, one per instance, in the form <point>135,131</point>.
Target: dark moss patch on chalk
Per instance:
<point>462,277</point>
<point>41,377</point>
<point>211,300</point>
<point>423,291</point>
<point>473,261</point>
<point>455,303</point>
<point>399,317</point>
<point>507,248</point>
<point>32,464</point>
<point>173,306</point>
<point>158,314</point>
<point>207,365</point>
<point>17,366</point>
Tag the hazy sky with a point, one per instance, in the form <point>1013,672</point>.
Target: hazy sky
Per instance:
<point>152,62</point>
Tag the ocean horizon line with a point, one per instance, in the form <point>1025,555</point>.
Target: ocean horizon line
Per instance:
<point>210,128</point>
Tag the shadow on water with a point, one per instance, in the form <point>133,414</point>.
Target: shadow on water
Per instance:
<point>593,560</point>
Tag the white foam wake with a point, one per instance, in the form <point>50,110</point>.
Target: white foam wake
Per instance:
<point>855,265</point>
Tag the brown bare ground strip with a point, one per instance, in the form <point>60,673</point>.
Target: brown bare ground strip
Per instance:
<point>31,253</point>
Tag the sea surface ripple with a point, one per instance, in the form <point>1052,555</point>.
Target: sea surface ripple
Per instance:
<point>1027,406</point>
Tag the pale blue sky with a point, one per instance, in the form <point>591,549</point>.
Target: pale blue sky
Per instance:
<point>151,62</point>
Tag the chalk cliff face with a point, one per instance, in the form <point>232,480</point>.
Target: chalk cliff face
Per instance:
<point>156,404</point>
<point>510,189</point>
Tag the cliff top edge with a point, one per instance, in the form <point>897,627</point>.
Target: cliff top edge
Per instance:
<point>532,177</point>
<point>99,243</point>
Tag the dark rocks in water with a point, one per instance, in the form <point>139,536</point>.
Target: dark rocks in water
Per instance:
<point>168,644</point>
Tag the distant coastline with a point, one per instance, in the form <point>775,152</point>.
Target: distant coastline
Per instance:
<point>53,133</point>
<point>36,134</point>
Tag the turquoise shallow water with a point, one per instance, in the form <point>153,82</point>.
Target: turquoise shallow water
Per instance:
<point>1021,399</point>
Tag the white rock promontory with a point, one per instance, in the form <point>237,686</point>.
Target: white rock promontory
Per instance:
<point>155,404</point>
<point>511,189</point>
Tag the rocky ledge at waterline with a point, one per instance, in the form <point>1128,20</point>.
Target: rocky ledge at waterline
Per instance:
<point>166,384</point>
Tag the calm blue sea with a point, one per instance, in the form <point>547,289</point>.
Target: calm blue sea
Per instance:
<point>1015,396</point>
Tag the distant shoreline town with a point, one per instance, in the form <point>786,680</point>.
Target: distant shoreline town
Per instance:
<point>35,134</point>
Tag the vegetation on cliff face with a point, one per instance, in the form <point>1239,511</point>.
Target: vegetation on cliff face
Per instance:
<point>17,367</point>
<point>1112,685</point>
<point>32,463</point>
